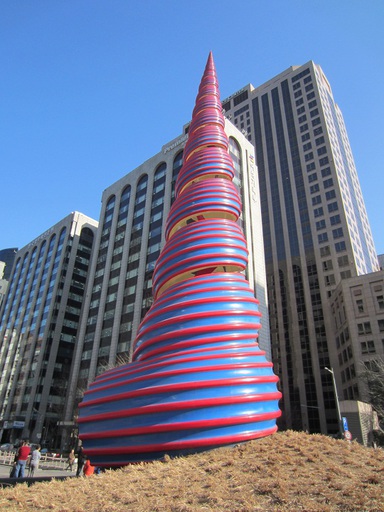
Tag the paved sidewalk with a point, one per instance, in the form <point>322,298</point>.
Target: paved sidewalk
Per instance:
<point>50,473</point>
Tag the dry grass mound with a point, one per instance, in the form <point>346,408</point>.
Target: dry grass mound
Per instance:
<point>288,471</point>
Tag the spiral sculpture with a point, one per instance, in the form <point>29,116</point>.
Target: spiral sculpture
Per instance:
<point>198,378</point>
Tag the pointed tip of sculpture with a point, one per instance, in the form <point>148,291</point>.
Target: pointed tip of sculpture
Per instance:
<point>210,61</point>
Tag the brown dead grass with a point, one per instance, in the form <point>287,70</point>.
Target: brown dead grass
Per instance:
<point>288,471</point>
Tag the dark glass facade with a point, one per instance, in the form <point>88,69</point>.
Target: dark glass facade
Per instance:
<point>39,327</point>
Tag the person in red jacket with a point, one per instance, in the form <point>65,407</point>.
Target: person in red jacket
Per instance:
<point>88,469</point>
<point>22,457</point>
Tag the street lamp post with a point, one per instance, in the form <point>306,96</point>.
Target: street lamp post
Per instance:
<point>330,370</point>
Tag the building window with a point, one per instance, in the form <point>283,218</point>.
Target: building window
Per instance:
<point>314,112</point>
<point>329,280</point>
<point>227,106</point>
<point>364,328</point>
<point>331,194</point>
<point>240,98</point>
<point>337,233</point>
<point>316,200</point>
<point>301,75</point>
<point>380,301</point>
<point>368,347</point>
<point>322,238</point>
<point>308,156</point>
<point>320,224</point>
<point>314,188</point>
<point>324,161</point>
<point>335,220</point>
<point>327,265</point>
<point>311,166</point>
<point>360,305</point>
<point>333,207</point>
<point>342,261</point>
<point>340,246</point>
<point>346,274</point>
<point>326,172</point>
<point>325,251</point>
<point>318,212</point>
<point>381,325</point>
<point>312,177</point>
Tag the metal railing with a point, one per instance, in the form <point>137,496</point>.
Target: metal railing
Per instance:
<point>46,461</point>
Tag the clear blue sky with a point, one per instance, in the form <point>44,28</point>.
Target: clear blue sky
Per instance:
<point>90,89</point>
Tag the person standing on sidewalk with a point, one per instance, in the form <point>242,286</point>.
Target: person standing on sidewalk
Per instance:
<point>22,457</point>
<point>71,460</point>
<point>80,461</point>
<point>35,459</point>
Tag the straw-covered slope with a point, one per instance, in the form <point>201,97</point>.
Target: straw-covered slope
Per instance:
<point>288,471</point>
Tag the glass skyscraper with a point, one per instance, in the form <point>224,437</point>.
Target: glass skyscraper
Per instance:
<point>39,323</point>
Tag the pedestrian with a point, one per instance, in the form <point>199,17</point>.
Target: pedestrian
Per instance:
<point>88,468</point>
<point>22,457</point>
<point>35,459</point>
<point>71,460</point>
<point>80,461</point>
<point>12,473</point>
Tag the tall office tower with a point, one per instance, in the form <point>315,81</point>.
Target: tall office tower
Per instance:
<point>316,230</point>
<point>39,324</point>
<point>130,236</point>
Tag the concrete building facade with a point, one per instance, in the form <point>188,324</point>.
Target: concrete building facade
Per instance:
<point>357,307</point>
